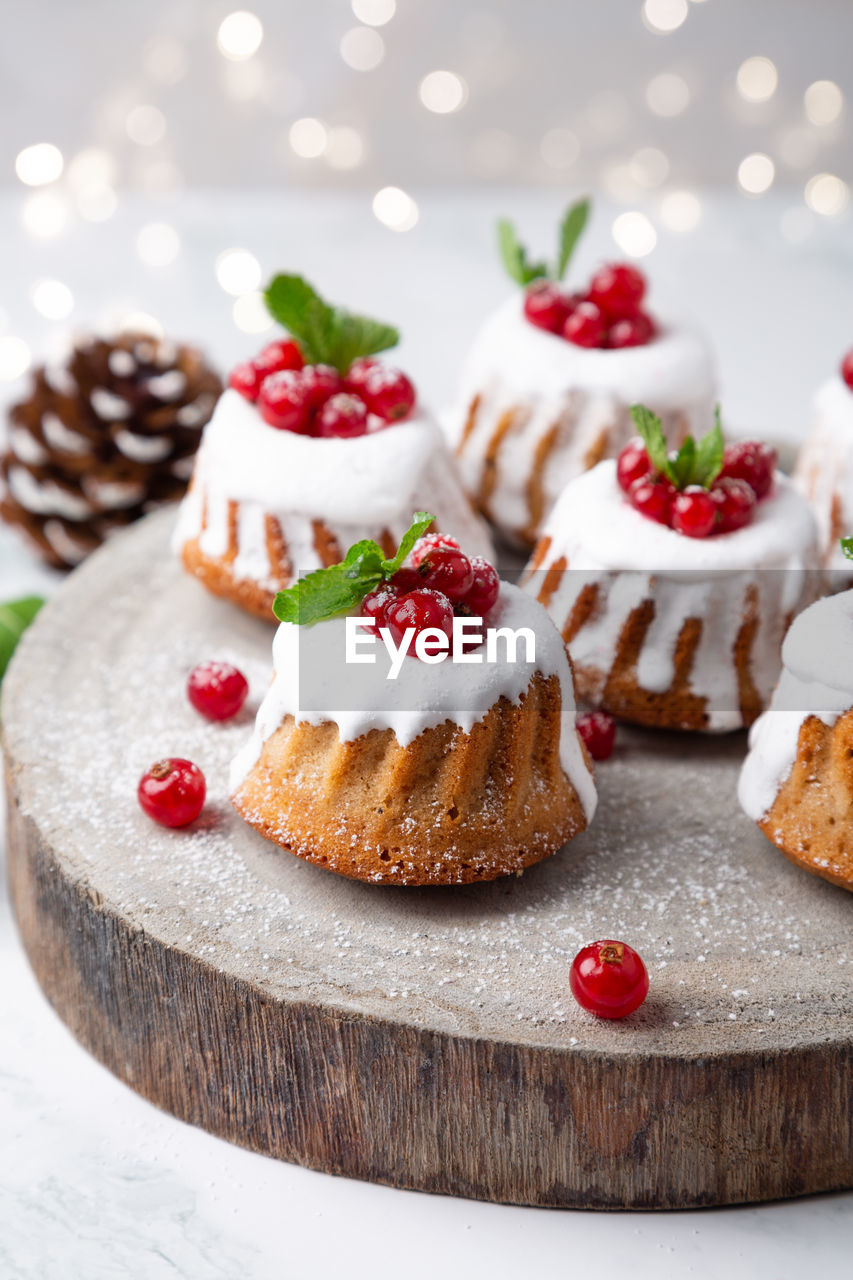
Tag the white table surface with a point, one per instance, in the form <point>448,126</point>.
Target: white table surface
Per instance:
<point>94,1182</point>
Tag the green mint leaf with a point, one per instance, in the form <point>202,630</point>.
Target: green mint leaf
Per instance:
<point>571,230</point>
<point>421,521</point>
<point>709,454</point>
<point>683,464</point>
<point>847,547</point>
<point>338,588</point>
<point>650,429</point>
<point>15,617</point>
<point>326,334</point>
<point>515,258</point>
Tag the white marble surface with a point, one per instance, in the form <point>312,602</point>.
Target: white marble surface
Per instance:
<point>96,1183</point>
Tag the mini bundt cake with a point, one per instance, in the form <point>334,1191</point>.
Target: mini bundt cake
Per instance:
<point>452,771</point>
<point>825,468</point>
<point>674,578</point>
<point>314,446</point>
<point>797,780</point>
<point>547,387</point>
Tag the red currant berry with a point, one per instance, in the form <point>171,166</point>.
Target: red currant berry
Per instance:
<point>429,542</point>
<point>735,501</point>
<point>284,402</point>
<point>585,326</point>
<point>217,690</point>
<point>388,393</point>
<point>635,331</point>
<point>484,591</point>
<point>449,570</point>
<point>598,730</point>
<point>357,373</point>
<point>321,382</point>
<point>246,379</point>
<point>420,610</point>
<point>632,465</point>
<point>375,603</point>
<point>405,580</point>
<point>609,979</point>
<point>546,306</point>
<point>344,415</point>
<point>618,289</point>
<point>172,792</point>
<point>753,462</point>
<point>277,356</point>
<point>653,497</point>
<point>694,513</point>
<point>847,369</point>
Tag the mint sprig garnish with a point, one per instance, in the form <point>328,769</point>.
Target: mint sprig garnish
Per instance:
<point>327,592</point>
<point>326,334</point>
<point>15,617</point>
<point>847,547</point>
<point>695,463</point>
<point>521,268</point>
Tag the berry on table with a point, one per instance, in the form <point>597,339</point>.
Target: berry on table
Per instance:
<point>285,403</point>
<point>598,730</point>
<point>632,465</point>
<point>172,792</point>
<point>217,690</point>
<point>847,369</point>
<point>388,393</point>
<point>609,979</point>
<point>653,497</point>
<point>585,326</point>
<point>420,610</point>
<point>447,569</point>
<point>546,306</point>
<point>343,415</point>
<point>246,379</point>
<point>618,290</point>
<point>694,512</point>
<point>276,356</point>
<point>633,331</point>
<point>484,590</point>
<point>735,501</point>
<point>752,461</point>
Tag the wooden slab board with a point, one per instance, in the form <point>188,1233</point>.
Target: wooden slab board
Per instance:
<point>424,1038</point>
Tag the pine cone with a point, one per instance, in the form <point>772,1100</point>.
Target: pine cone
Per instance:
<point>102,440</point>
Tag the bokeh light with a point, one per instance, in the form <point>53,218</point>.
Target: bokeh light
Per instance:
<point>824,102</point>
<point>52,299</point>
<point>165,60</point>
<point>308,137</point>
<point>238,271</point>
<point>559,148</point>
<point>44,214</point>
<point>39,164</point>
<point>395,209</point>
<point>649,167</point>
<point>96,202</point>
<point>756,173</point>
<point>680,210</point>
<point>344,147</point>
<point>250,314</point>
<point>443,92</point>
<point>827,194</point>
<point>634,234</point>
<point>14,357</point>
<point>158,244</point>
<point>362,48</point>
<point>374,13</point>
<point>668,94</point>
<point>757,79</point>
<point>145,125</point>
<point>663,16</point>
<point>240,35</point>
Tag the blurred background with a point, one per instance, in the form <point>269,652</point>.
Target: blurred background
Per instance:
<point>165,158</point>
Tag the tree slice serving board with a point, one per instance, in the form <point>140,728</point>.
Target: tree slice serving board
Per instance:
<point>420,1037</point>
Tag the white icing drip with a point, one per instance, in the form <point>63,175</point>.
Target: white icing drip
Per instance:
<point>46,498</point>
<point>515,367</point>
<point>606,543</point>
<point>63,544</point>
<point>61,437</point>
<point>113,495</point>
<point>142,448</point>
<point>817,680</point>
<point>424,695</point>
<point>26,447</point>
<point>108,406</point>
<point>168,386</point>
<point>825,471</point>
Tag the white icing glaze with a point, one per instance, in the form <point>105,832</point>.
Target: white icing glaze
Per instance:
<point>108,406</point>
<point>605,542</point>
<point>424,695</point>
<point>46,498</point>
<point>356,487</point>
<point>517,368</point>
<point>817,680</point>
<point>142,448</point>
<point>825,471</point>
<point>61,437</point>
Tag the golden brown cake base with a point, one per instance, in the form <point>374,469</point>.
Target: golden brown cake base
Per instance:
<point>217,574</point>
<point>811,820</point>
<point>451,808</point>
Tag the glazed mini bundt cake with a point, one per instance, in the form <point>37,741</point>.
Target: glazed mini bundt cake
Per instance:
<point>446,773</point>
<point>548,384</point>
<point>315,445</point>
<point>797,781</point>
<point>673,579</point>
<point>825,468</point>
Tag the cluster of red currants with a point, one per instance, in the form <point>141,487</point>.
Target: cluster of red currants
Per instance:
<point>847,369</point>
<point>696,512</point>
<point>316,400</point>
<point>610,314</point>
<point>441,583</point>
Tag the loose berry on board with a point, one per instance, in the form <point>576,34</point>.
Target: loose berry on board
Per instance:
<point>246,379</point>
<point>585,326</point>
<point>546,306</point>
<point>633,331</point>
<point>172,792</point>
<point>344,416</point>
<point>847,369</point>
<point>483,593</point>
<point>388,393</point>
<point>735,501</point>
<point>653,497</point>
<point>598,730</point>
<point>285,403</point>
<point>449,570</point>
<point>632,465</point>
<point>420,610</point>
<point>609,979</point>
<point>217,690</point>
<point>618,289</point>
<point>694,513</point>
<point>752,461</point>
<point>276,356</point>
